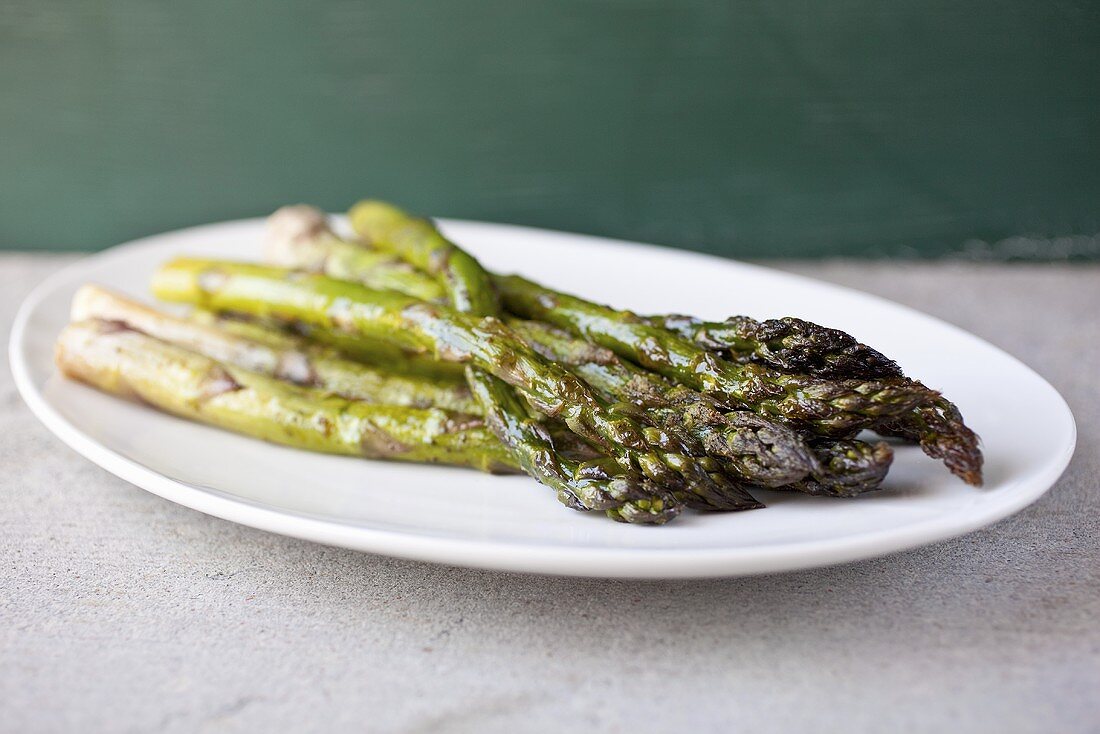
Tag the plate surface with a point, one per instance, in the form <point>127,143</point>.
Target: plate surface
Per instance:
<point>466,518</point>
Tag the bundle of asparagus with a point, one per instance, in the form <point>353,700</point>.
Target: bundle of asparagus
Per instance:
<point>398,344</point>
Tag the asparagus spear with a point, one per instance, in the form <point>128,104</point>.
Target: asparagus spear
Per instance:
<point>426,328</point>
<point>942,434</point>
<point>119,360</point>
<point>276,355</point>
<point>366,351</point>
<point>470,290</point>
<point>849,468</point>
<point>787,344</point>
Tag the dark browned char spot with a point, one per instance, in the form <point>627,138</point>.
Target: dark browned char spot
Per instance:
<point>439,260</point>
<point>217,382</point>
<point>323,424</point>
<point>458,422</point>
<point>296,367</point>
<point>594,354</point>
<point>376,443</point>
<point>110,326</point>
<point>419,312</point>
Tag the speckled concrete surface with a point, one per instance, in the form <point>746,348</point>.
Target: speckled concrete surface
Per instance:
<point>122,612</point>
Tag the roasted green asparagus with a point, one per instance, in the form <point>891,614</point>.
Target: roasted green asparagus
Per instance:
<point>396,343</point>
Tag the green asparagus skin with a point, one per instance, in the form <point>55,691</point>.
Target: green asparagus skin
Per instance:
<point>371,352</point>
<point>833,408</point>
<point>787,344</point>
<point>119,360</point>
<point>416,326</point>
<point>470,290</point>
<point>275,355</point>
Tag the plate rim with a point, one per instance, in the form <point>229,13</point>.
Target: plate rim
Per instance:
<point>526,557</point>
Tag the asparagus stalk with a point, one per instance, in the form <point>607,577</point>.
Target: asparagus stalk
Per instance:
<point>281,356</point>
<point>849,468</point>
<point>470,290</point>
<point>939,429</point>
<point>366,351</point>
<point>786,344</point>
<point>114,358</point>
<point>416,326</point>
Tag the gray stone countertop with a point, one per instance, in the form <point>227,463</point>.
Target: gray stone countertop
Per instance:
<point>120,611</point>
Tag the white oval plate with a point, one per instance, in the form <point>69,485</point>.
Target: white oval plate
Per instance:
<point>466,518</point>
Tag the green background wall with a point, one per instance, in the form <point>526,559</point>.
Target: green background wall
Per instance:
<point>768,128</point>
